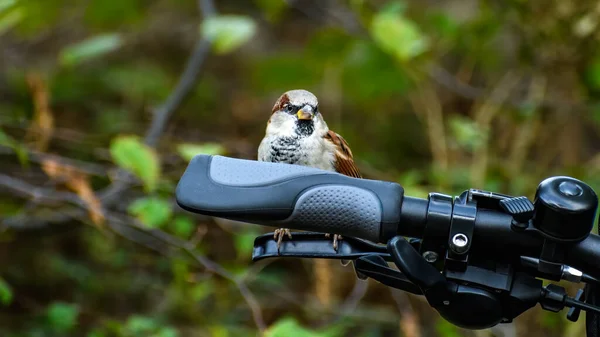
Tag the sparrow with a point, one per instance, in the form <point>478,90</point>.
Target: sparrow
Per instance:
<point>297,134</point>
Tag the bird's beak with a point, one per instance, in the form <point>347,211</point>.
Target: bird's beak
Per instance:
<point>306,113</point>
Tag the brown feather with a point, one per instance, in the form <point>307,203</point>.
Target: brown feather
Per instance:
<point>281,101</point>
<point>344,161</point>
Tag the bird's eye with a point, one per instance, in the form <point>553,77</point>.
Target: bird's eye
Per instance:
<point>288,108</point>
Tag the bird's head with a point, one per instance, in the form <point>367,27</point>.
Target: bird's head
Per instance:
<point>296,112</point>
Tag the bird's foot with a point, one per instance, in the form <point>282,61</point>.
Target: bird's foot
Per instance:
<point>279,234</point>
<point>336,238</point>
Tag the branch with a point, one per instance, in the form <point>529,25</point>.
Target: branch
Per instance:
<point>38,193</point>
<point>82,166</point>
<point>202,260</point>
<point>186,82</point>
<point>161,115</point>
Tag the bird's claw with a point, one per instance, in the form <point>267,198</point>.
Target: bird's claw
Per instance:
<point>279,234</point>
<point>336,238</point>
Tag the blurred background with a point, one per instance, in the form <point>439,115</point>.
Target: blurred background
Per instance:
<point>103,103</point>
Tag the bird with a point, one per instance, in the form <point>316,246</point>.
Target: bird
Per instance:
<point>297,133</point>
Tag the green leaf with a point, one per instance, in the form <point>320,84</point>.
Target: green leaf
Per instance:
<point>202,290</point>
<point>62,316</point>
<point>244,242</point>
<point>289,327</point>
<point>6,4</point>
<point>592,75</point>
<point>10,19</point>
<point>446,329</point>
<point>183,226</point>
<point>6,294</point>
<point>153,212</point>
<point>131,154</point>
<point>466,132</point>
<point>397,35</point>
<point>90,48</point>
<point>273,8</point>
<point>166,332</point>
<point>136,325</point>
<point>96,333</point>
<point>20,150</point>
<point>189,151</point>
<point>228,32</point>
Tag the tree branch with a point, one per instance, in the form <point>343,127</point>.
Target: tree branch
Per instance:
<point>38,193</point>
<point>186,82</point>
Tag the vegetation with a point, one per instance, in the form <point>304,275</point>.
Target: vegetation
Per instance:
<point>103,102</point>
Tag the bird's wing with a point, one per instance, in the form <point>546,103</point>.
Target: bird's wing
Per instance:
<point>344,161</point>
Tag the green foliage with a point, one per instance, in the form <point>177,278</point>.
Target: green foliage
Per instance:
<point>10,15</point>
<point>370,74</point>
<point>131,154</point>
<point>244,242</point>
<point>113,14</point>
<point>62,317</point>
<point>183,226</point>
<point>146,326</point>
<point>447,329</point>
<point>467,133</point>
<point>110,63</point>
<point>228,32</point>
<point>138,81</point>
<point>6,294</point>
<point>592,74</point>
<point>189,151</point>
<point>289,327</point>
<point>398,35</point>
<point>273,9</point>
<point>20,150</point>
<point>154,212</point>
<point>90,48</point>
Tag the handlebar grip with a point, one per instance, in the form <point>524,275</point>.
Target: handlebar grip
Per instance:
<point>291,196</point>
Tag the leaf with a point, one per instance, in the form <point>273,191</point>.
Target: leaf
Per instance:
<point>183,226</point>
<point>62,316</point>
<point>273,8</point>
<point>138,325</point>
<point>244,242</point>
<point>6,4</point>
<point>20,150</point>
<point>6,294</point>
<point>466,132</point>
<point>397,35</point>
<point>228,32</point>
<point>10,18</point>
<point>446,329</point>
<point>90,48</point>
<point>131,154</point>
<point>189,151</point>
<point>153,212</point>
<point>202,290</point>
<point>592,74</point>
<point>5,140</point>
<point>289,327</point>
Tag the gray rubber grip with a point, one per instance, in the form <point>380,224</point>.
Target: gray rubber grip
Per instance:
<point>338,209</point>
<point>248,173</point>
<point>291,196</point>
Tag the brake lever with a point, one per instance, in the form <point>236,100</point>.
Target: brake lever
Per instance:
<point>315,245</point>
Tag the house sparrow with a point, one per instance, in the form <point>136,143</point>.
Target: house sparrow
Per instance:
<point>297,134</point>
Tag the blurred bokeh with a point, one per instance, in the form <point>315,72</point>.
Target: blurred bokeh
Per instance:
<point>103,102</point>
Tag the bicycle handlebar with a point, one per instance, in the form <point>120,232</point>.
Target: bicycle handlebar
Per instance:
<point>291,196</point>
<point>467,232</point>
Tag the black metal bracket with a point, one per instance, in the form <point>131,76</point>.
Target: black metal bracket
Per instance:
<point>460,236</point>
